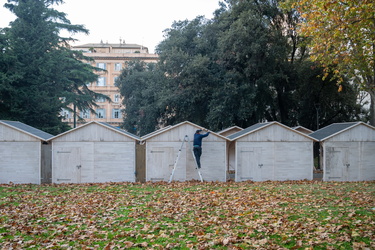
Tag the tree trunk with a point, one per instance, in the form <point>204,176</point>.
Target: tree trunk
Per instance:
<point>74,115</point>
<point>372,107</point>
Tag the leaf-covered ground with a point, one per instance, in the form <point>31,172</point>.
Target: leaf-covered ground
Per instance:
<point>191,215</point>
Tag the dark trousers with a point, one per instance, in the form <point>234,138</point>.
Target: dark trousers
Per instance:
<point>197,154</point>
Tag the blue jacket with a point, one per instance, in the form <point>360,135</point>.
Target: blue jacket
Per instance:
<point>198,139</point>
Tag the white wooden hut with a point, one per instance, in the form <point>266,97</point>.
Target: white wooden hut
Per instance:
<point>162,149</point>
<point>273,151</point>
<point>94,153</point>
<point>231,153</point>
<point>22,148</point>
<point>347,151</point>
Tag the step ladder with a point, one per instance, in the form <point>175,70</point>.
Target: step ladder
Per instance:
<point>186,139</point>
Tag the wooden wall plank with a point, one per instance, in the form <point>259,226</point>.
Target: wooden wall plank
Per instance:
<point>20,162</point>
<point>348,161</point>
<point>274,132</point>
<point>358,133</point>
<point>10,134</point>
<point>273,160</point>
<point>114,162</point>
<point>93,132</point>
<point>367,163</point>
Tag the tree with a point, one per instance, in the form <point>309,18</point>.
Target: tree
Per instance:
<point>244,66</point>
<point>254,53</point>
<point>230,70</point>
<point>140,84</point>
<point>342,40</point>
<point>44,71</point>
<point>7,64</point>
<point>320,104</point>
<point>78,75</point>
<point>185,59</point>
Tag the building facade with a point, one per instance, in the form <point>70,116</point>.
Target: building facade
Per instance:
<point>111,58</point>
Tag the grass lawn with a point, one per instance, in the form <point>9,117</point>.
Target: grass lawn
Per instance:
<point>191,215</point>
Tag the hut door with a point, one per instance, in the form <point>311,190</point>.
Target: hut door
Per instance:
<point>161,164</point>
<point>68,165</point>
<point>250,165</point>
<point>338,165</point>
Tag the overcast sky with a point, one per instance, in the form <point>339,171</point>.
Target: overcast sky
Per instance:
<point>135,21</point>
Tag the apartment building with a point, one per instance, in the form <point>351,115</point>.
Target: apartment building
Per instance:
<point>112,58</point>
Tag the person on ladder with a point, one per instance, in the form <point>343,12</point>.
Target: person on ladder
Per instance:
<point>197,145</point>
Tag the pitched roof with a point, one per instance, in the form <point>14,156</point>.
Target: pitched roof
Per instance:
<point>334,129</point>
<point>248,130</point>
<point>168,128</point>
<point>260,126</point>
<point>149,135</point>
<point>303,129</point>
<point>118,130</point>
<point>228,129</point>
<point>37,133</point>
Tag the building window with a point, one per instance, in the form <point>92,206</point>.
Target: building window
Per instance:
<point>116,113</point>
<point>65,114</point>
<point>114,80</point>
<point>101,81</point>
<point>100,113</point>
<point>100,99</point>
<point>118,66</point>
<point>116,98</point>
<point>101,65</point>
<point>85,114</point>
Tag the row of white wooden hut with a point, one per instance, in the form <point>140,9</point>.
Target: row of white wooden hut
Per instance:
<point>97,152</point>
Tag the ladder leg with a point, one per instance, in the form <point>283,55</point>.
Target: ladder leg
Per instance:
<point>200,175</point>
<point>186,139</point>
<point>176,161</point>
<point>195,160</point>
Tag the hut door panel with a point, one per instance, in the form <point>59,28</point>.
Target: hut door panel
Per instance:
<point>292,161</point>
<point>114,161</point>
<point>367,161</point>
<point>68,165</point>
<point>19,162</point>
<point>351,164</point>
<point>161,164</point>
<point>250,164</point>
<point>338,164</point>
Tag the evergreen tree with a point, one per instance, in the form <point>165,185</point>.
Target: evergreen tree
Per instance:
<point>45,72</point>
<point>7,64</point>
